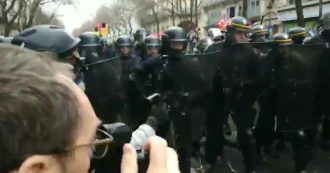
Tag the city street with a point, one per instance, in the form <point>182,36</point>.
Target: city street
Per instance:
<point>283,164</point>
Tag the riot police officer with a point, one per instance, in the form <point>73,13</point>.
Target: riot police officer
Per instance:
<point>238,71</point>
<point>323,76</point>
<point>295,99</point>
<point>90,47</point>
<point>139,45</point>
<point>151,65</point>
<point>58,41</point>
<point>174,43</point>
<point>259,34</point>
<point>297,35</point>
<point>130,66</point>
<point>153,45</point>
<point>109,48</point>
<point>183,91</point>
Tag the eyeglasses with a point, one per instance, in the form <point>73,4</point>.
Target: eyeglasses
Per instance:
<point>100,146</point>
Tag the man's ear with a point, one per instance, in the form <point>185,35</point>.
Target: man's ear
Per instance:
<point>38,164</point>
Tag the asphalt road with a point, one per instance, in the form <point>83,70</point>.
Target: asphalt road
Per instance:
<point>283,164</point>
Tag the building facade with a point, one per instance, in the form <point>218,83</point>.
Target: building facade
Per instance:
<point>276,15</point>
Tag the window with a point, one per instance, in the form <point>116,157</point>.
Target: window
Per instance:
<point>257,3</point>
<point>232,12</point>
<point>253,4</point>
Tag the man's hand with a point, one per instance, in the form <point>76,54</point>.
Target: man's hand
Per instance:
<point>162,159</point>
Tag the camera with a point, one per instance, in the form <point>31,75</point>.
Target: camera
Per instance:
<point>108,158</point>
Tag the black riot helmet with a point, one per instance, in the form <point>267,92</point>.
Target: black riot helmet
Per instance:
<point>259,30</point>
<point>174,35</point>
<point>47,38</point>
<point>140,35</point>
<point>258,33</point>
<point>124,41</point>
<point>152,41</point>
<point>282,39</point>
<point>238,24</point>
<point>237,30</point>
<point>89,39</point>
<point>297,34</point>
<point>90,47</point>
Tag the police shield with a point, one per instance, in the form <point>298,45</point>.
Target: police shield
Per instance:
<point>104,88</point>
<point>117,91</point>
<point>214,47</point>
<point>239,68</point>
<point>295,79</point>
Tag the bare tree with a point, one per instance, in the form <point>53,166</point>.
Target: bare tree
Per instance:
<point>21,14</point>
<point>245,6</point>
<point>198,3</point>
<point>300,13</point>
<point>9,13</point>
<point>320,9</point>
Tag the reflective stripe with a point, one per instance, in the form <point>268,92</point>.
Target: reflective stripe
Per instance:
<point>283,41</point>
<point>260,31</point>
<point>242,26</point>
<point>298,34</point>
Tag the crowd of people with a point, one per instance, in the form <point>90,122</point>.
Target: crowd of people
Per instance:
<point>57,90</point>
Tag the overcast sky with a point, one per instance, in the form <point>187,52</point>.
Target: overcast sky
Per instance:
<point>74,16</point>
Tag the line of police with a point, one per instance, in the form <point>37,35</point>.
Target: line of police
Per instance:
<point>193,104</point>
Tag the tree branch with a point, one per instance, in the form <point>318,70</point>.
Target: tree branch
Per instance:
<point>11,6</point>
<point>20,7</point>
<point>199,4</point>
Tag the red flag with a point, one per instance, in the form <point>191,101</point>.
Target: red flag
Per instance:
<point>222,24</point>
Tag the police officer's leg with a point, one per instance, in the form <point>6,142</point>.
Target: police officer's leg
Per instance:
<point>183,142</point>
<point>301,150</point>
<point>264,132</point>
<point>214,135</point>
<point>326,133</point>
<point>247,142</point>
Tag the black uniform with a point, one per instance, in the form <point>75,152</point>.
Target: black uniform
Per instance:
<point>140,47</point>
<point>295,96</point>
<point>183,89</point>
<point>323,76</point>
<point>239,70</point>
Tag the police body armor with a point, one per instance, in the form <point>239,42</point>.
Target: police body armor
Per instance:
<point>184,90</point>
<point>119,91</point>
<point>150,69</point>
<point>295,72</point>
<point>239,67</point>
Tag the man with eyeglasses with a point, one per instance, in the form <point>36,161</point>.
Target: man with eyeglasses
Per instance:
<point>47,123</point>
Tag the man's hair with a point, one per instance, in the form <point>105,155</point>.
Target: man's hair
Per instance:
<point>38,111</point>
